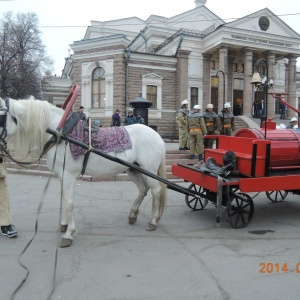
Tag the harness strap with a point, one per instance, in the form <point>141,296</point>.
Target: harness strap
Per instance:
<point>88,152</point>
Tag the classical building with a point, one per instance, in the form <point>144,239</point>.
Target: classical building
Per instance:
<point>190,55</point>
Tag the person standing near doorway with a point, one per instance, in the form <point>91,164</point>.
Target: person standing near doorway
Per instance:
<point>262,108</point>
<point>211,122</point>
<point>181,119</point>
<point>197,129</point>
<point>226,120</point>
<point>116,119</point>
<point>282,110</point>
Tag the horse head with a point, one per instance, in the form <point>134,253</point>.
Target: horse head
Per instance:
<point>26,121</point>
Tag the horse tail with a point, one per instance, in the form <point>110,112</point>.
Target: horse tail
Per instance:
<point>163,193</point>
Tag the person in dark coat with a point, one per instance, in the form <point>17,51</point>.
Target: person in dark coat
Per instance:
<point>130,119</point>
<point>81,114</point>
<point>140,119</point>
<point>116,119</point>
<point>282,111</point>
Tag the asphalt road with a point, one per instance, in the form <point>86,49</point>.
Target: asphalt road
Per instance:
<point>187,257</point>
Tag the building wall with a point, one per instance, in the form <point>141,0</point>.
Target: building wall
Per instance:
<point>183,59</point>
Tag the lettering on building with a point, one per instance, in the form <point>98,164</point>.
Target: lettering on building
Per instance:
<point>262,41</point>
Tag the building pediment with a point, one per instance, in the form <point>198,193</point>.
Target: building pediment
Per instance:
<point>264,21</point>
<point>261,30</point>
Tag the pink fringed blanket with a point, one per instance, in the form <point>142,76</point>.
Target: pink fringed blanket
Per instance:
<point>110,139</point>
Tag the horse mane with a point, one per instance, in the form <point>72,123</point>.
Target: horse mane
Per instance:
<point>33,117</point>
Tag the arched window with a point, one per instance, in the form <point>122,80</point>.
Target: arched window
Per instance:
<point>98,88</point>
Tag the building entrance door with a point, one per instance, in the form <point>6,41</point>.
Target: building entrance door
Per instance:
<point>214,100</point>
<point>238,102</point>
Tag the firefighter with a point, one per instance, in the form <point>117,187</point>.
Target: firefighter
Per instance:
<point>211,122</point>
<point>226,120</point>
<point>181,122</point>
<point>197,129</point>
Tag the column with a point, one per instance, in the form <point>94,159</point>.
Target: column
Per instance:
<point>182,75</point>
<point>271,69</point>
<point>223,52</point>
<point>206,79</point>
<point>230,77</point>
<point>248,89</point>
<point>291,97</point>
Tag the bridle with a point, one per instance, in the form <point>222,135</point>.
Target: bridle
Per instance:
<point>3,120</point>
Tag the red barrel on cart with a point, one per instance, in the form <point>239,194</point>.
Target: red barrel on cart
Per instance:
<point>285,143</point>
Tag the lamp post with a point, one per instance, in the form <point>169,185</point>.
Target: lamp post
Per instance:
<point>220,71</point>
<point>262,85</point>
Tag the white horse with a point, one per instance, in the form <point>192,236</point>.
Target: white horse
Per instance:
<point>26,124</point>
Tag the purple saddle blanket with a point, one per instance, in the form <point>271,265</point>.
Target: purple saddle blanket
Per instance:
<point>109,139</point>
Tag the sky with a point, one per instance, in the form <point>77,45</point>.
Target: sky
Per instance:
<point>62,22</point>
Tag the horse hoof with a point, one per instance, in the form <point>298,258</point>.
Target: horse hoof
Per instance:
<point>151,227</point>
<point>65,243</point>
<point>132,220</point>
<point>63,228</point>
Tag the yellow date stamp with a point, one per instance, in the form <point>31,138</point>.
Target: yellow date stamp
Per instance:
<point>274,268</point>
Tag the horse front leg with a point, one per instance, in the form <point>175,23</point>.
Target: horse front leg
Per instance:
<point>68,223</point>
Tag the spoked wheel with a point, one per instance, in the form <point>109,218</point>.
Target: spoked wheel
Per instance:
<point>240,209</point>
<point>195,202</point>
<point>277,196</point>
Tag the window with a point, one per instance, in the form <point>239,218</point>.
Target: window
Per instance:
<point>238,84</point>
<point>194,96</point>
<point>98,88</point>
<point>152,91</point>
<point>213,65</point>
<point>152,95</point>
<point>235,67</point>
<point>241,68</point>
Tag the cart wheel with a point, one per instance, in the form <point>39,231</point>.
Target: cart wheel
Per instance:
<point>277,196</point>
<point>240,209</point>
<point>196,202</point>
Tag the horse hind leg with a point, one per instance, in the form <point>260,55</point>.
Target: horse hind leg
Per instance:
<point>155,190</point>
<point>143,188</point>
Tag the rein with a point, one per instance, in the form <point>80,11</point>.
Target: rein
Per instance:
<point>36,230</point>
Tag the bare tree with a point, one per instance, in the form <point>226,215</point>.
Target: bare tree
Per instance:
<point>23,57</point>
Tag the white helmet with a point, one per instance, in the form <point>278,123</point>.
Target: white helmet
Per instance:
<point>293,119</point>
<point>197,107</point>
<point>227,104</point>
<point>209,105</point>
<point>185,102</point>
